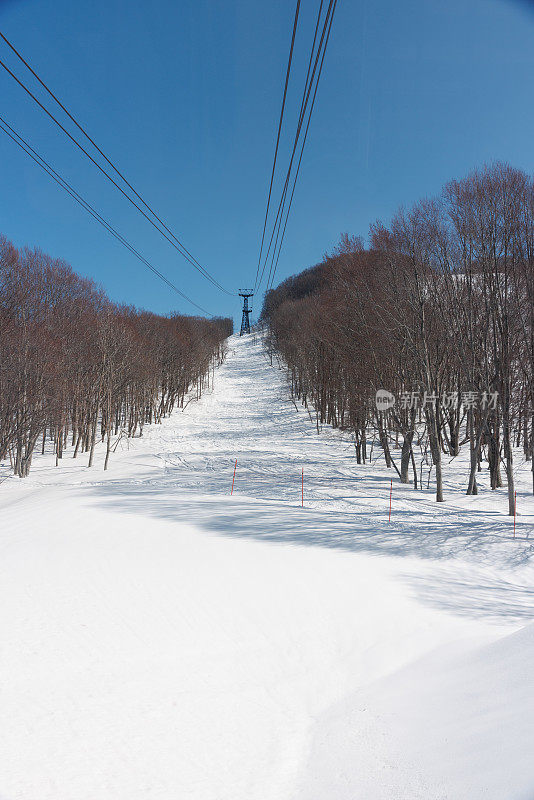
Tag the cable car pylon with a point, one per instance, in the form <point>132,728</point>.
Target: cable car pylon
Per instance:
<point>245,322</point>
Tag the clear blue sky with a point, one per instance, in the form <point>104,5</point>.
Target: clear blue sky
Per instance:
<point>185,94</point>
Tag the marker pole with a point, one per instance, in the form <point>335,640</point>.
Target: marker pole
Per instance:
<point>233,479</point>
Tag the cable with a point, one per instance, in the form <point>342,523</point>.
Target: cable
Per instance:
<point>288,71</point>
<point>309,85</point>
<point>186,252</point>
<point>41,162</point>
<point>304,102</point>
<point>177,244</point>
<point>271,279</point>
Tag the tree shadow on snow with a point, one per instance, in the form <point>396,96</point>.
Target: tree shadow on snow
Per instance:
<point>483,541</point>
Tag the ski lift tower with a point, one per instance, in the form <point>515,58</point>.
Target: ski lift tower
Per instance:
<point>245,323</point>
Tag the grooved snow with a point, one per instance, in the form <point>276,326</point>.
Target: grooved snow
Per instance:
<point>161,639</point>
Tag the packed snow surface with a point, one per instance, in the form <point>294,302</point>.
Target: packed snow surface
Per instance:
<point>163,639</point>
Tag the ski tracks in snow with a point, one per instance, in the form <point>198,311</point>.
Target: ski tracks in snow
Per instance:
<point>162,639</point>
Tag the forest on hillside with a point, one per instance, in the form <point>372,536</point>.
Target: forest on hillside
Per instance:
<point>76,367</point>
<point>439,313</point>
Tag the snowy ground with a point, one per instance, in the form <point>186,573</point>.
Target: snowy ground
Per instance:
<point>161,639</point>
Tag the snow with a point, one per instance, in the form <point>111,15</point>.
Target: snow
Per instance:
<point>452,725</point>
<point>163,639</point>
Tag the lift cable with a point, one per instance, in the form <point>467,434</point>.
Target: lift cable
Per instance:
<point>41,162</point>
<point>304,102</point>
<point>288,71</point>
<point>306,95</point>
<point>311,83</point>
<point>271,277</point>
<point>166,233</point>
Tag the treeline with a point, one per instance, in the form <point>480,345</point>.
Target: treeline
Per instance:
<point>440,313</point>
<point>76,368</point>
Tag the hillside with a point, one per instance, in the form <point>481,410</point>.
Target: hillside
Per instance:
<point>168,639</point>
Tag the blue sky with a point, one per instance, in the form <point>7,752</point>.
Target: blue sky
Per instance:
<point>184,96</point>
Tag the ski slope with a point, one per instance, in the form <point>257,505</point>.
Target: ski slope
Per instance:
<point>162,639</point>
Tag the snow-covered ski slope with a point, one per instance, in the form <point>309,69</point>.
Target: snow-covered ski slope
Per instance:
<point>161,639</point>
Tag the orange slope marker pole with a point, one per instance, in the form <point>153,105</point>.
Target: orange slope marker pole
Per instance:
<point>515,506</point>
<point>233,479</point>
<point>390,493</point>
<point>303,487</point>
